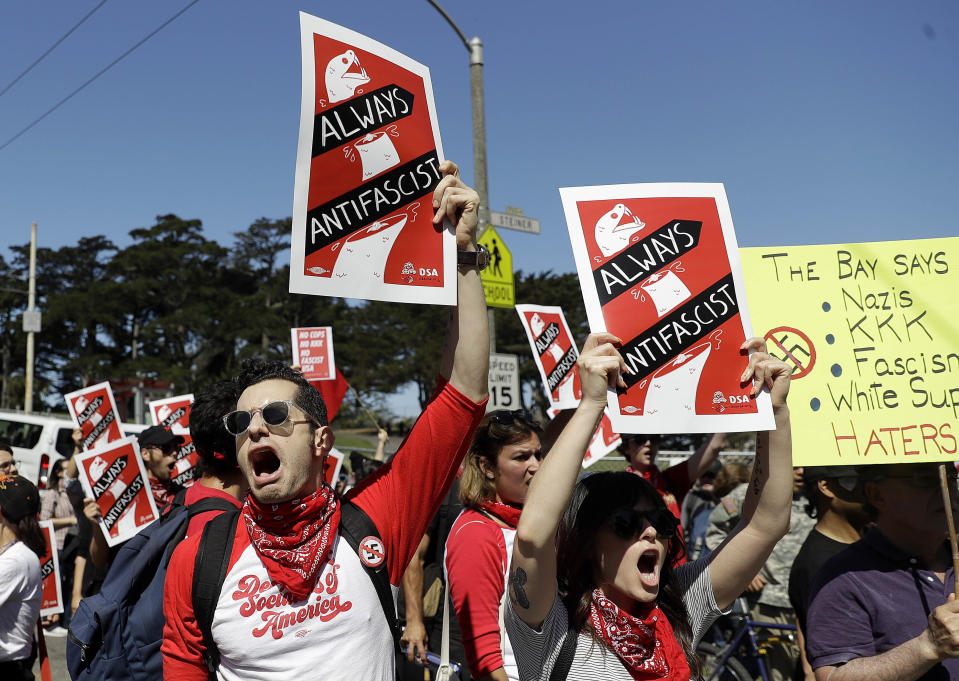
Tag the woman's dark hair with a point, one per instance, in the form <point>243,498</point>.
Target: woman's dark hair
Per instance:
<point>28,531</point>
<point>497,429</point>
<point>56,472</point>
<point>595,499</point>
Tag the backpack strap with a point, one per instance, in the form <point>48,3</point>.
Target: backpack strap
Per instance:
<point>565,658</point>
<point>209,572</point>
<point>355,526</point>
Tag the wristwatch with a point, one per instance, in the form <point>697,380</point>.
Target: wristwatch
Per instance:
<point>478,258</point>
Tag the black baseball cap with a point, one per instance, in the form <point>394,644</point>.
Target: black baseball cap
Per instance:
<point>158,436</point>
<point>848,476</point>
<point>19,498</point>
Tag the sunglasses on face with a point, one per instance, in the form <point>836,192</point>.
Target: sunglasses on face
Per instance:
<point>504,417</point>
<point>274,414</point>
<point>642,439</point>
<point>627,523</point>
<point>925,479</point>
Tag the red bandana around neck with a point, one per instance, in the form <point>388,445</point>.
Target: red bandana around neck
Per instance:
<point>645,645</point>
<point>505,512</point>
<point>161,492</point>
<point>294,538</point>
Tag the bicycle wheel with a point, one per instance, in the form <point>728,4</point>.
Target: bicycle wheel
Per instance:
<point>731,670</point>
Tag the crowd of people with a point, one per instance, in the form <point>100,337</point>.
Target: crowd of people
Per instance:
<point>551,574</point>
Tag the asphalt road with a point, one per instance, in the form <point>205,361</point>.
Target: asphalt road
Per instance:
<point>57,651</point>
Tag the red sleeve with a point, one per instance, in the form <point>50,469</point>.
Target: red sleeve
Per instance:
<point>476,564</point>
<point>402,496</point>
<point>182,646</point>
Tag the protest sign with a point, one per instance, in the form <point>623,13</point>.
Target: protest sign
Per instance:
<point>94,412</point>
<point>313,352</point>
<point>51,601</point>
<point>186,470</point>
<point>555,353</point>
<point>872,331</point>
<point>366,166</point>
<point>172,411</point>
<point>659,268</point>
<point>332,466</point>
<point>504,390</point>
<point>604,440</point>
<point>114,476</point>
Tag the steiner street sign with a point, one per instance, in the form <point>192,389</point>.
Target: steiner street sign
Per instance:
<point>520,223</point>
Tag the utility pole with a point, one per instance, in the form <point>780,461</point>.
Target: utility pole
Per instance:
<point>31,300</point>
<point>475,48</point>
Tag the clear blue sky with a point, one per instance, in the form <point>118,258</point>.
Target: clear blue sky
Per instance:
<point>827,121</point>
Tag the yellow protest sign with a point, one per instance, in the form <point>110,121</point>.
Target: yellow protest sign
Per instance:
<point>873,331</point>
<point>498,277</point>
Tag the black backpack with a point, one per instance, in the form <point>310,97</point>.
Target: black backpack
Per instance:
<point>115,634</point>
<point>213,561</point>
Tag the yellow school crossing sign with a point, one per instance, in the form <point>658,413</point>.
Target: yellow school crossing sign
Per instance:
<point>498,277</point>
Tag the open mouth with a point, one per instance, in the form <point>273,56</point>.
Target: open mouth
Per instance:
<point>265,464</point>
<point>648,566</point>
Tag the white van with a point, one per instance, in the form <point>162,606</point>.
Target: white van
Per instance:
<point>38,440</point>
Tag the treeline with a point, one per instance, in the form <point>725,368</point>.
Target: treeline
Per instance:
<point>176,306</point>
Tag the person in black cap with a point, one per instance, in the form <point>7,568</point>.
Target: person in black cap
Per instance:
<point>832,499</point>
<point>21,545</point>
<point>158,446</point>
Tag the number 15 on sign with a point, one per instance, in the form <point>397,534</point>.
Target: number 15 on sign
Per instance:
<point>503,383</point>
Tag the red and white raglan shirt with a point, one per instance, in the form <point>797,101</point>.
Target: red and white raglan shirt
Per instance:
<point>339,630</point>
<point>478,554</point>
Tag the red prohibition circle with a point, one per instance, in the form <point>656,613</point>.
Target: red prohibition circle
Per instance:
<point>801,369</point>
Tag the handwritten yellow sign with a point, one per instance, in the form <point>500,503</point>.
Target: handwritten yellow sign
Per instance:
<point>873,331</point>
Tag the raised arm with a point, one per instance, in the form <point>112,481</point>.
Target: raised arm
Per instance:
<point>532,581</point>
<point>465,360</point>
<point>765,513</point>
<point>700,462</point>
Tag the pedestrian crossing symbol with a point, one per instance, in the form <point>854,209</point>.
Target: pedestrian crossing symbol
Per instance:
<point>498,277</point>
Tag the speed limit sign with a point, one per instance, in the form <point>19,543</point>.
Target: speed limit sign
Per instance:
<point>504,383</point>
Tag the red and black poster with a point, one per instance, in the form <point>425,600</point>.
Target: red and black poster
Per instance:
<point>95,413</point>
<point>51,602</point>
<point>115,477</point>
<point>174,413</point>
<point>555,353</point>
<point>659,268</point>
<point>367,163</point>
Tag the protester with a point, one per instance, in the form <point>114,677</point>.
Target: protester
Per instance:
<point>296,601</point>
<point>883,609</point>
<point>424,587</point>
<point>502,460</point>
<point>55,506</point>
<point>21,547</point>
<point>674,482</point>
<point>830,499</point>
<point>8,465</point>
<point>607,579</point>
<point>220,476</point>
<point>767,592</point>
<point>696,507</point>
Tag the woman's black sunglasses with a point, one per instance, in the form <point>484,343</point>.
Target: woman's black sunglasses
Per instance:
<point>627,523</point>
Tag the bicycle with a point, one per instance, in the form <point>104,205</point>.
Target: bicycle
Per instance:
<point>744,644</point>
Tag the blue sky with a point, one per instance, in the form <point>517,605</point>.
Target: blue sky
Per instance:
<point>827,121</point>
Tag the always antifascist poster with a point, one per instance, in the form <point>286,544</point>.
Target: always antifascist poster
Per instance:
<point>554,352</point>
<point>94,411</point>
<point>659,268</point>
<point>367,163</point>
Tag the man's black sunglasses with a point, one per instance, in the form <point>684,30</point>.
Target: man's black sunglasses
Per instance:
<point>627,523</point>
<point>641,439</point>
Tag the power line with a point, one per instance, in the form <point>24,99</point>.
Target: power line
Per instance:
<point>52,48</point>
<point>98,74</point>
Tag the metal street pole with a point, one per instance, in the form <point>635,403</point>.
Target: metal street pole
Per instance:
<point>480,182</point>
<point>31,299</point>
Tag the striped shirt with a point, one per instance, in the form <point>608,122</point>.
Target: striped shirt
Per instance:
<point>536,651</point>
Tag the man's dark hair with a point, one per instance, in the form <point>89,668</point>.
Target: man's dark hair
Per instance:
<point>206,427</point>
<point>256,370</point>
<point>5,446</point>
